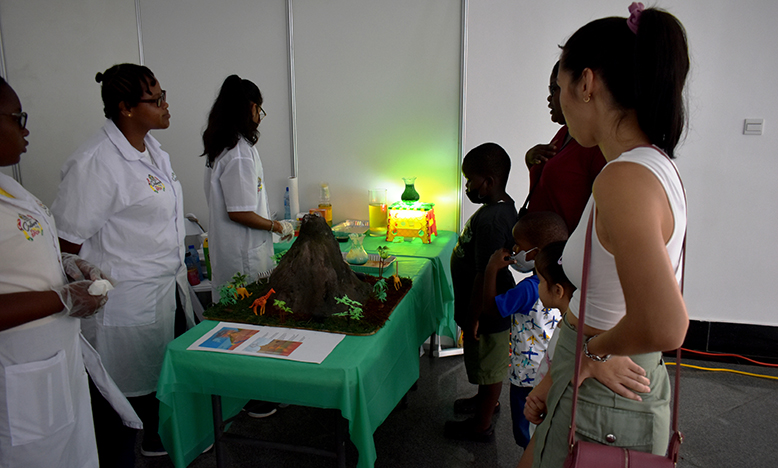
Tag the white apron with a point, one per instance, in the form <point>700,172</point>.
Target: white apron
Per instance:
<point>127,212</point>
<point>45,413</point>
<point>236,183</point>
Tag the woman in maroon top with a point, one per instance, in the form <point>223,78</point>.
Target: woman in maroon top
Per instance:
<point>562,172</point>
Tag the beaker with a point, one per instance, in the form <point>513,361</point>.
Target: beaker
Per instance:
<point>376,211</point>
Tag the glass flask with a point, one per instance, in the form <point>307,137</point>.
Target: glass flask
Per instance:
<point>410,194</point>
<point>356,254</point>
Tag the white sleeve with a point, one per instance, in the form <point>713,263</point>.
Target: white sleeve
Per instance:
<point>87,197</point>
<point>239,182</point>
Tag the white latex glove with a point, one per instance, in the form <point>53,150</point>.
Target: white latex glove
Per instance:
<point>78,301</point>
<point>79,269</point>
<point>287,231</point>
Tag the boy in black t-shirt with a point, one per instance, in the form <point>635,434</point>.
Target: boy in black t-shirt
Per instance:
<point>486,338</point>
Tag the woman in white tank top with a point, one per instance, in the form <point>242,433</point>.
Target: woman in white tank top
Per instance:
<point>621,86</point>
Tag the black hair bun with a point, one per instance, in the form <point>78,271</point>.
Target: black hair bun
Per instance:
<point>99,77</point>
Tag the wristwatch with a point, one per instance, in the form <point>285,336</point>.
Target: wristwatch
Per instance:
<point>591,356</point>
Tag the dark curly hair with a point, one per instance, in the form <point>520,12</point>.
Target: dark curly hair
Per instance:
<point>125,83</point>
<point>231,118</point>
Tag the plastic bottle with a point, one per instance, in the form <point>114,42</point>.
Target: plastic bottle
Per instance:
<point>196,260</point>
<point>287,208</point>
<point>324,203</point>
<point>207,258</point>
<point>192,274</point>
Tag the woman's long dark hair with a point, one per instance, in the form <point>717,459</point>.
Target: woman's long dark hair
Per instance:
<point>231,117</point>
<point>644,71</point>
<point>127,83</point>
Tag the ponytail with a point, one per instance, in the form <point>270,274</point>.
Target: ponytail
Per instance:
<point>644,71</point>
<point>231,118</point>
<point>661,66</point>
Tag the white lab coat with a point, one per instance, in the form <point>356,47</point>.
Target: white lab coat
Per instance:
<point>128,214</point>
<point>236,183</point>
<point>45,412</point>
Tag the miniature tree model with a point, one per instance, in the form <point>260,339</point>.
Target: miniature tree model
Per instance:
<point>354,308</point>
<point>383,253</point>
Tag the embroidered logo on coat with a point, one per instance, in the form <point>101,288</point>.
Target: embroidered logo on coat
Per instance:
<point>259,184</point>
<point>173,176</point>
<point>29,226</point>
<point>155,184</point>
<point>44,208</point>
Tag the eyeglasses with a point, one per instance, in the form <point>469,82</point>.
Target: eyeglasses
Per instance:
<point>158,101</point>
<point>20,117</point>
<point>262,113</point>
<point>552,89</point>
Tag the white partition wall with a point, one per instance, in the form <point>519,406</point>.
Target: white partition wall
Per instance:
<point>377,100</point>
<point>378,88</point>
<point>192,46</point>
<point>52,56</point>
<point>730,177</point>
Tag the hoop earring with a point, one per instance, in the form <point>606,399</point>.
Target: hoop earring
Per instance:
<point>587,98</point>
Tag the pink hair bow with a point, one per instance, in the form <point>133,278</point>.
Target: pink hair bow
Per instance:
<point>635,10</point>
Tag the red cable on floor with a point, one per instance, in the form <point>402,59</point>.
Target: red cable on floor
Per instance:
<point>730,355</point>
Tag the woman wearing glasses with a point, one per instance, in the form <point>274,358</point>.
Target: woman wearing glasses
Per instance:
<point>120,206</point>
<point>43,294</point>
<point>240,232</point>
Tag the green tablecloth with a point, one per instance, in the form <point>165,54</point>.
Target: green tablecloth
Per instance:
<point>365,376</point>
<point>438,251</point>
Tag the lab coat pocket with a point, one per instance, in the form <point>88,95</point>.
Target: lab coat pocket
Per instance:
<point>39,399</point>
<point>131,303</point>
<point>258,260</point>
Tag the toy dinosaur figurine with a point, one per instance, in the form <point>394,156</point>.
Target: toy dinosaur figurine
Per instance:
<point>242,293</point>
<point>396,277</point>
<point>261,302</point>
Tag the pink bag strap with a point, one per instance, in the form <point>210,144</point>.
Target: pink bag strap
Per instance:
<point>579,339</point>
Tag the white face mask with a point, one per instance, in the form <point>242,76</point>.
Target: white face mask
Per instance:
<point>523,265</point>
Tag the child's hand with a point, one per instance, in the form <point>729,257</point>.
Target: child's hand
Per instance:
<point>535,409</point>
<point>501,258</point>
<point>619,374</point>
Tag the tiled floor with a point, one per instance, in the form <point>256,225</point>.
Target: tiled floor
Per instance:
<point>729,420</point>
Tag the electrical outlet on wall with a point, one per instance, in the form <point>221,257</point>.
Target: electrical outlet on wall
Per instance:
<point>753,126</point>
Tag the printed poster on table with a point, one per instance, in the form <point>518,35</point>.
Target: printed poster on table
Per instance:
<point>273,342</point>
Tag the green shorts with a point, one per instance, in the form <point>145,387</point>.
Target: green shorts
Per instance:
<point>602,416</point>
<point>488,358</point>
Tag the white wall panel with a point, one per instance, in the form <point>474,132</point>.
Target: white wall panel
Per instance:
<point>730,178</point>
<point>192,46</point>
<point>52,56</point>
<point>378,100</point>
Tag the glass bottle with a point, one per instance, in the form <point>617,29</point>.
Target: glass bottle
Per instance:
<point>324,203</point>
<point>410,194</point>
<point>356,254</point>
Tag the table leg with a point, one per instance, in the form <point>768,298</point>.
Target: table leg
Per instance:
<point>218,430</point>
<point>341,434</point>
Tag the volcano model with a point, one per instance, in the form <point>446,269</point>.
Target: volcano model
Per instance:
<point>312,274</point>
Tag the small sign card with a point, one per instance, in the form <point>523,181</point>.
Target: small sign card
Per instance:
<point>280,343</point>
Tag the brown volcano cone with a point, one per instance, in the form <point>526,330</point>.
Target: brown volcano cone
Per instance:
<point>312,273</point>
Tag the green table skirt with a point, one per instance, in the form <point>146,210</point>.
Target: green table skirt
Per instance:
<point>364,376</point>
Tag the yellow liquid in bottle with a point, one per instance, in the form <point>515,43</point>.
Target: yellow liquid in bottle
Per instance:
<point>327,213</point>
<point>377,219</point>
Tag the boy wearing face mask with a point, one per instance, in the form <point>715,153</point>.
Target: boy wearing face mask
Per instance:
<point>532,324</point>
<point>486,338</point>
